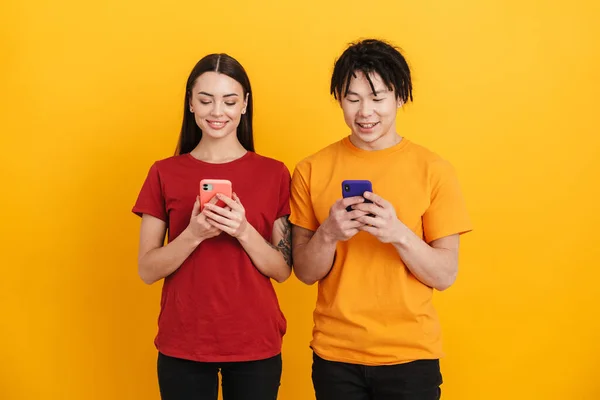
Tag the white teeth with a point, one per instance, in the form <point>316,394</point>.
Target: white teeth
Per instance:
<point>367,126</point>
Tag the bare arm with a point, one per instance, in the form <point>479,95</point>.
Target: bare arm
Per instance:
<point>156,261</point>
<point>435,264</point>
<point>313,254</point>
<point>271,259</point>
<point>314,251</point>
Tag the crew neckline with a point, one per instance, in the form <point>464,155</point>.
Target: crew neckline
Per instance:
<point>374,153</point>
<point>246,155</point>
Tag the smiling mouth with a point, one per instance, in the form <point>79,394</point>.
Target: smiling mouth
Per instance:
<point>366,125</point>
<point>216,124</point>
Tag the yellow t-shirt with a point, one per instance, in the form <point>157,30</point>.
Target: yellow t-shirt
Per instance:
<point>370,309</point>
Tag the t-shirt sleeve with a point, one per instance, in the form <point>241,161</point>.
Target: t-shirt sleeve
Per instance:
<point>151,199</point>
<point>447,213</point>
<point>303,214</point>
<point>284,193</point>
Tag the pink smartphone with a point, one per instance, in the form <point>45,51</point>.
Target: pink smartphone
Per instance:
<point>210,187</point>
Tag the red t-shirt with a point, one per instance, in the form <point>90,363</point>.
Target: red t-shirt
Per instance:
<point>217,306</point>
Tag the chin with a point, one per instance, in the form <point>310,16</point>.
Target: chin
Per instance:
<point>368,138</point>
<point>217,135</point>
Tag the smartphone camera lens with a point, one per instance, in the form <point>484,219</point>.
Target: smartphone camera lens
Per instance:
<point>347,188</point>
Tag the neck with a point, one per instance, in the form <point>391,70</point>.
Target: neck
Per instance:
<point>219,150</point>
<point>384,142</point>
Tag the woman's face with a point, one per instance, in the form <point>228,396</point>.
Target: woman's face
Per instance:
<point>217,102</point>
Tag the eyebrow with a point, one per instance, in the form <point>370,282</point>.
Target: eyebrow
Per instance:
<point>350,92</point>
<point>210,95</point>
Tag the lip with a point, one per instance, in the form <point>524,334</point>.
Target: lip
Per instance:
<point>363,129</point>
<point>216,125</point>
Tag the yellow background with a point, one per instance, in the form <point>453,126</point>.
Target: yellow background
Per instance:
<point>91,94</point>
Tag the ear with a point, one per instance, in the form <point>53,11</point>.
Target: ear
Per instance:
<point>245,103</point>
<point>400,103</point>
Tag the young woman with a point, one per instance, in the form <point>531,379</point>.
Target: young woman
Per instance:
<point>219,311</point>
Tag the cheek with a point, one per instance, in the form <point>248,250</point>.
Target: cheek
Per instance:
<point>387,111</point>
<point>234,114</point>
<point>201,110</point>
<point>349,114</point>
<point>199,120</point>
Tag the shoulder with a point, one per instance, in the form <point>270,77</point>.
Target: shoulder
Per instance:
<point>434,167</point>
<point>268,166</point>
<point>171,162</point>
<point>426,158</point>
<point>162,167</point>
<point>323,156</point>
<point>422,153</point>
<point>267,162</point>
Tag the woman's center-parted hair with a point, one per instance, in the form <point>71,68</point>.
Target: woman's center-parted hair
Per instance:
<point>191,134</point>
<point>371,56</point>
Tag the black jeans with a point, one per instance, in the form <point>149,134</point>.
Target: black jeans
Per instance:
<point>180,379</point>
<point>416,380</point>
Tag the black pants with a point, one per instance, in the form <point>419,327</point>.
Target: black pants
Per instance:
<point>191,380</point>
<point>417,380</point>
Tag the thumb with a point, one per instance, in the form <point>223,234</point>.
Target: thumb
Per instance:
<point>196,209</point>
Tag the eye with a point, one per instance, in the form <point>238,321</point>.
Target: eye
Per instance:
<point>230,104</point>
<point>378,100</point>
<point>352,101</point>
<point>204,102</point>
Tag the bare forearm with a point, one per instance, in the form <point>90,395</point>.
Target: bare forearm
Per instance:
<point>435,267</point>
<point>163,261</point>
<point>269,260</point>
<point>313,260</point>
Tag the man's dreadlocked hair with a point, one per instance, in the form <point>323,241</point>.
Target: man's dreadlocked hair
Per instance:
<point>372,56</point>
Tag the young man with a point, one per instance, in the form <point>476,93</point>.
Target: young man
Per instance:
<point>377,258</point>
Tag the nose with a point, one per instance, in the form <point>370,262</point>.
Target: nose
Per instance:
<point>365,109</point>
<point>217,109</point>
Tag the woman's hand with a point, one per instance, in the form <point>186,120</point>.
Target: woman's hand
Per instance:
<point>199,225</point>
<point>230,219</point>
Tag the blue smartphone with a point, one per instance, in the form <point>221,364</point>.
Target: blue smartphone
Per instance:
<point>351,188</point>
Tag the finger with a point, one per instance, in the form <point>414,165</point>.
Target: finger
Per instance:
<point>376,222</point>
<point>369,229</point>
<point>370,208</point>
<point>222,227</point>
<point>196,209</point>
<point>237,199</point>
<point>213,200</point>
<point>223,211</point>
<point>354,214</point>
<point>378,200</point>
<point>211,228</point>
<point>228,201</point>
<point>203,221</point>
<point>350,201</point>
<point>217,218</point>
<point>353,225</point>
<point>351,232</point>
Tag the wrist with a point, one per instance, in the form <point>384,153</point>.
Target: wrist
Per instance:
<point>326,237</point>
<point>401,236</point>
<point>244,235</point>
<point>190,237</point>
